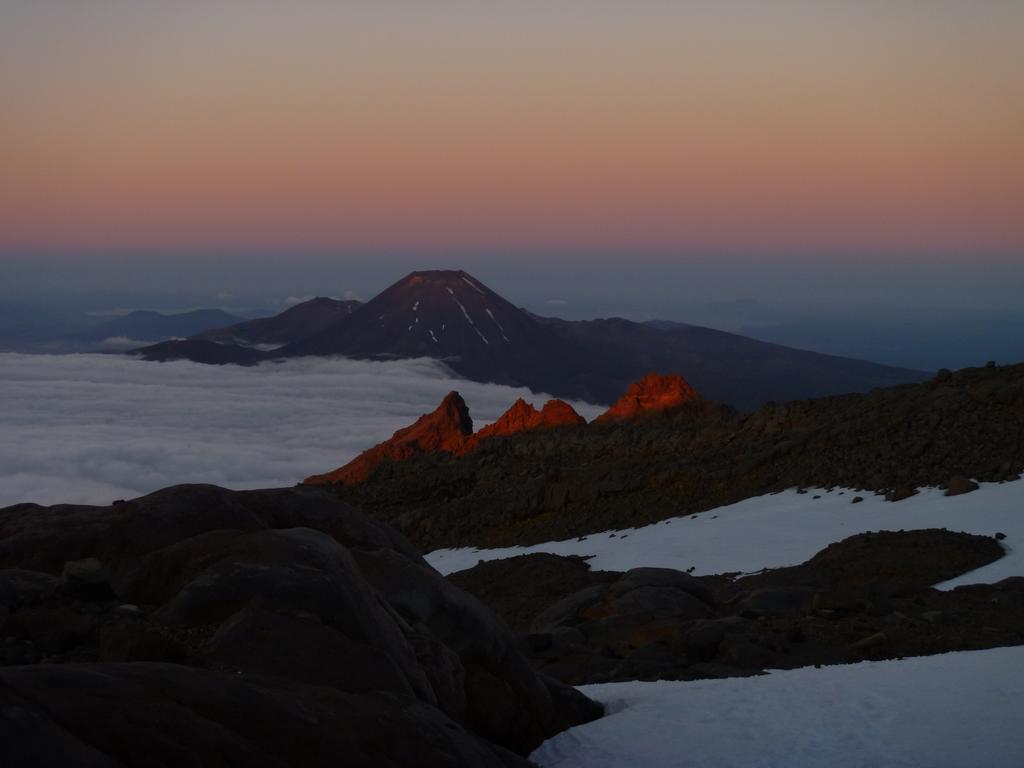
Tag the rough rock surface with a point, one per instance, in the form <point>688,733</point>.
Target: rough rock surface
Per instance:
<point>867,597</point>
<point>447,428</point>
<point>221,589</point>
<point>652,394</point>
<point>540,486</point>
<point>149,714</point>
<point>523,417</point>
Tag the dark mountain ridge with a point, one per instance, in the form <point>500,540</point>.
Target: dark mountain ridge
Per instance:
<point>531,487</point>
<point>451,316</point>
<point>147,325</point>
<point>297,322</point>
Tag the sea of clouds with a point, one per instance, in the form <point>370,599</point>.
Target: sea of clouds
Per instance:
<point>95,428</point>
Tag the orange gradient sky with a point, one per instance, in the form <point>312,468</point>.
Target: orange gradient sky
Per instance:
<point>800,127</point>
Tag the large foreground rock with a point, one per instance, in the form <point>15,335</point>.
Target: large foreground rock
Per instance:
<point>290,583</point>
<point>93,715</point>
<point>866,597</point>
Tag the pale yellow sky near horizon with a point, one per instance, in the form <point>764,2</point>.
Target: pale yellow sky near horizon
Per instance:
<point>786,126</point>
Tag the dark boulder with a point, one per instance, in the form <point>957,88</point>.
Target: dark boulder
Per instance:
<point>661,578</point>
<point>86,579</point>
<point>959,485</point>
<point>169,715</point>
<point>290,583</point>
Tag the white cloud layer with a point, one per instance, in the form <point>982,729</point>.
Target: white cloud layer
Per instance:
<point>94,428</point>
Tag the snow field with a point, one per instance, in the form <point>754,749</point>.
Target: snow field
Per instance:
<point>953,710</point>
<point>785,529</point>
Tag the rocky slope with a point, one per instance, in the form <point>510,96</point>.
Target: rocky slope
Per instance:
<point>523,417</point>
<point>867,597</point>
<point>449,430</point>
<point>653,394</point>
<point>446,429</point>
<point>576,480</point>
<point>198,625</point>
<point>295,323</point>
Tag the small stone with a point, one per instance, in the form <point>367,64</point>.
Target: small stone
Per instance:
<point>900,493</point>
<point>856,499</point>
<point>959,485</point>
<point>871,641</point>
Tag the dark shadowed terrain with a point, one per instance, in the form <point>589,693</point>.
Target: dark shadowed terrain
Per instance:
<point>533,487</point>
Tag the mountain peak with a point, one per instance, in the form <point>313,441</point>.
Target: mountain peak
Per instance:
<point>524,417</point>
<point>446,428</point>
<point>652,394</point>
<point>449,429</point>
<point>444,314</point>
<point>442,278</point>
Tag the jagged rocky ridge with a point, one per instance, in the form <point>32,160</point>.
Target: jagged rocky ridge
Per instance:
<point>539,486</point>
<point>198,625</point>
<point>449,429</point>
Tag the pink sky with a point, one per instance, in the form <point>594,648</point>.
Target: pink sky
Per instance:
<point>791,126</point>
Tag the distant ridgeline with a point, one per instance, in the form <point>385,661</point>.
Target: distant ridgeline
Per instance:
<point>451,316</point>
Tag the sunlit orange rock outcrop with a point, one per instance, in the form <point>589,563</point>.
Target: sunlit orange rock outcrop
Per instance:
<point>449,429</point>
<point>523,417</point>
<point>651,394</point>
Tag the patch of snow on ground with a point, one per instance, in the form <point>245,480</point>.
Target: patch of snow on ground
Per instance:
<point>947,711</point>
<point>470,320</point>
<point>491,315</point>
<point>785,529</point>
